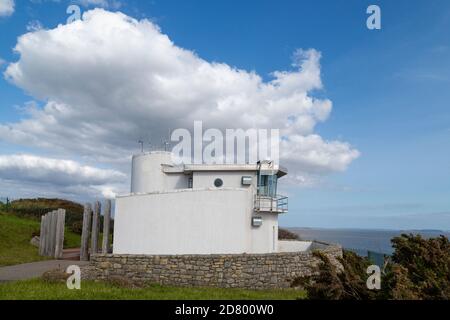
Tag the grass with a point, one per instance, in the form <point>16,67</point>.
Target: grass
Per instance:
<point>38,289</point>
<point>15,236</point>
<point>41,206</point>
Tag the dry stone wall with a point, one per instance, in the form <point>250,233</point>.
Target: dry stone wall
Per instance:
<point>251,271</point>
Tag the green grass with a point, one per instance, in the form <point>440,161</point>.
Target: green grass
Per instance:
<point>15,236</point>
<point>38,289</point>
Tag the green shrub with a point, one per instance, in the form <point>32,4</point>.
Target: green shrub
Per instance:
<point>76,227</point>
<point>419,269</point>
<point>333,284</point>
<point>284,234</point>
<point>426,263</point>
<point>55,275</point>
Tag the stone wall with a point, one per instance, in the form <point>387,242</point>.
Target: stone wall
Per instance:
<point>252,271</point>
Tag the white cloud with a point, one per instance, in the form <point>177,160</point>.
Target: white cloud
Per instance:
<point>57,173</point>
<point>34,25</point>
<point>6,7</point>
<point>315,155</point>
<point>109,79</point>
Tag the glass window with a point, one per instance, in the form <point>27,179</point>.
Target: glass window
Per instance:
<point>267,185</point>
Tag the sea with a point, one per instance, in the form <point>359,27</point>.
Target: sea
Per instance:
<point>362,240</point>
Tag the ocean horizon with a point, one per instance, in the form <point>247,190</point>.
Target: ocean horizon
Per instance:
<point>361,240</point>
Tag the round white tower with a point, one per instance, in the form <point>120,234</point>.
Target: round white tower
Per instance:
<point>146,171</point>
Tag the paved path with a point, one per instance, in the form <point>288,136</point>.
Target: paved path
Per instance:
<point>34,269</point>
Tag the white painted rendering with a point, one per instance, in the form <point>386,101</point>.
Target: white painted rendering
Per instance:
<point>147,174</point>
<point>205,179</point>
<point>186,221</point>
<point>294,245</point>
<point>178,209</point>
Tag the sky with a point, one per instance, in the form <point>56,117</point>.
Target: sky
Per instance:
<point>364,113</point>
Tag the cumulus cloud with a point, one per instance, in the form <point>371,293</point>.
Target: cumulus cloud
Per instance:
<point>58,173</point>
<point>315,155</point>
<point>108,80</point>
<point>6,7</point>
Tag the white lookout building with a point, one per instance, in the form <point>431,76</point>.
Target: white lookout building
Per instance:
<point>200,209</point>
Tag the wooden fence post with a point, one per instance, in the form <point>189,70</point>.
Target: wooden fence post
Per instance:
<point>106,222</point>
<point>54,218</point>
<point>42,236</point>
<point>59,241</point>
<point>47,234</point>
<point>95,227</point>
<point>84,252</point>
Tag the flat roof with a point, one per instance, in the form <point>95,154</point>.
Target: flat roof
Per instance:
<point>265,166</point>
<point>188,168</point>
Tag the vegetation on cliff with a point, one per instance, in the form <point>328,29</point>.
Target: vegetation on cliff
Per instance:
<point>418,269</point>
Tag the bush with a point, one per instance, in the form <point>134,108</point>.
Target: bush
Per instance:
<point>333,284</point>
<point>397,285</point>
<point>35,208</point>
<point>284,234</point>
<point>55,276</point>
<point>76,227</point>
<point>426,263</point>
<point>420,269</point>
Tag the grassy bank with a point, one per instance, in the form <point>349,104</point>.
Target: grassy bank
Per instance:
<point>15,236</point>
<point>43,290</point>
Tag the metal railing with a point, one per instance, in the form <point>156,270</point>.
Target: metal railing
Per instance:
<point>277,204</point>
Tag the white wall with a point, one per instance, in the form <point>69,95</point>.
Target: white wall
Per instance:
<point>176,181</point>
<point>294,245</point>
<point>185,222</point>
<point>205,179</point>
<point>265,237</point>
<point>147,174</point>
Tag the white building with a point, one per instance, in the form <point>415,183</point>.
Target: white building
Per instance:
<point>199,209</point>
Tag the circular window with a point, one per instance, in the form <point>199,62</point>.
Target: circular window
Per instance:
<point>218,183</point>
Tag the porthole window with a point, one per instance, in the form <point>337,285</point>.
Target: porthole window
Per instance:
<point>218,183</point>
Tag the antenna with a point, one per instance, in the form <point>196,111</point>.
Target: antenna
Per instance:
<point>167,143</point>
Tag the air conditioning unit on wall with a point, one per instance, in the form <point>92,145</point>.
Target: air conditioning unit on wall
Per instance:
<point>246,180</point>
<point>256,221</point>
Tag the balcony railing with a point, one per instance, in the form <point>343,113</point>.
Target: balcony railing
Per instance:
<point>277,204</point>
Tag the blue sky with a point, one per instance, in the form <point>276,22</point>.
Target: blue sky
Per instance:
<point>389,90</point>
